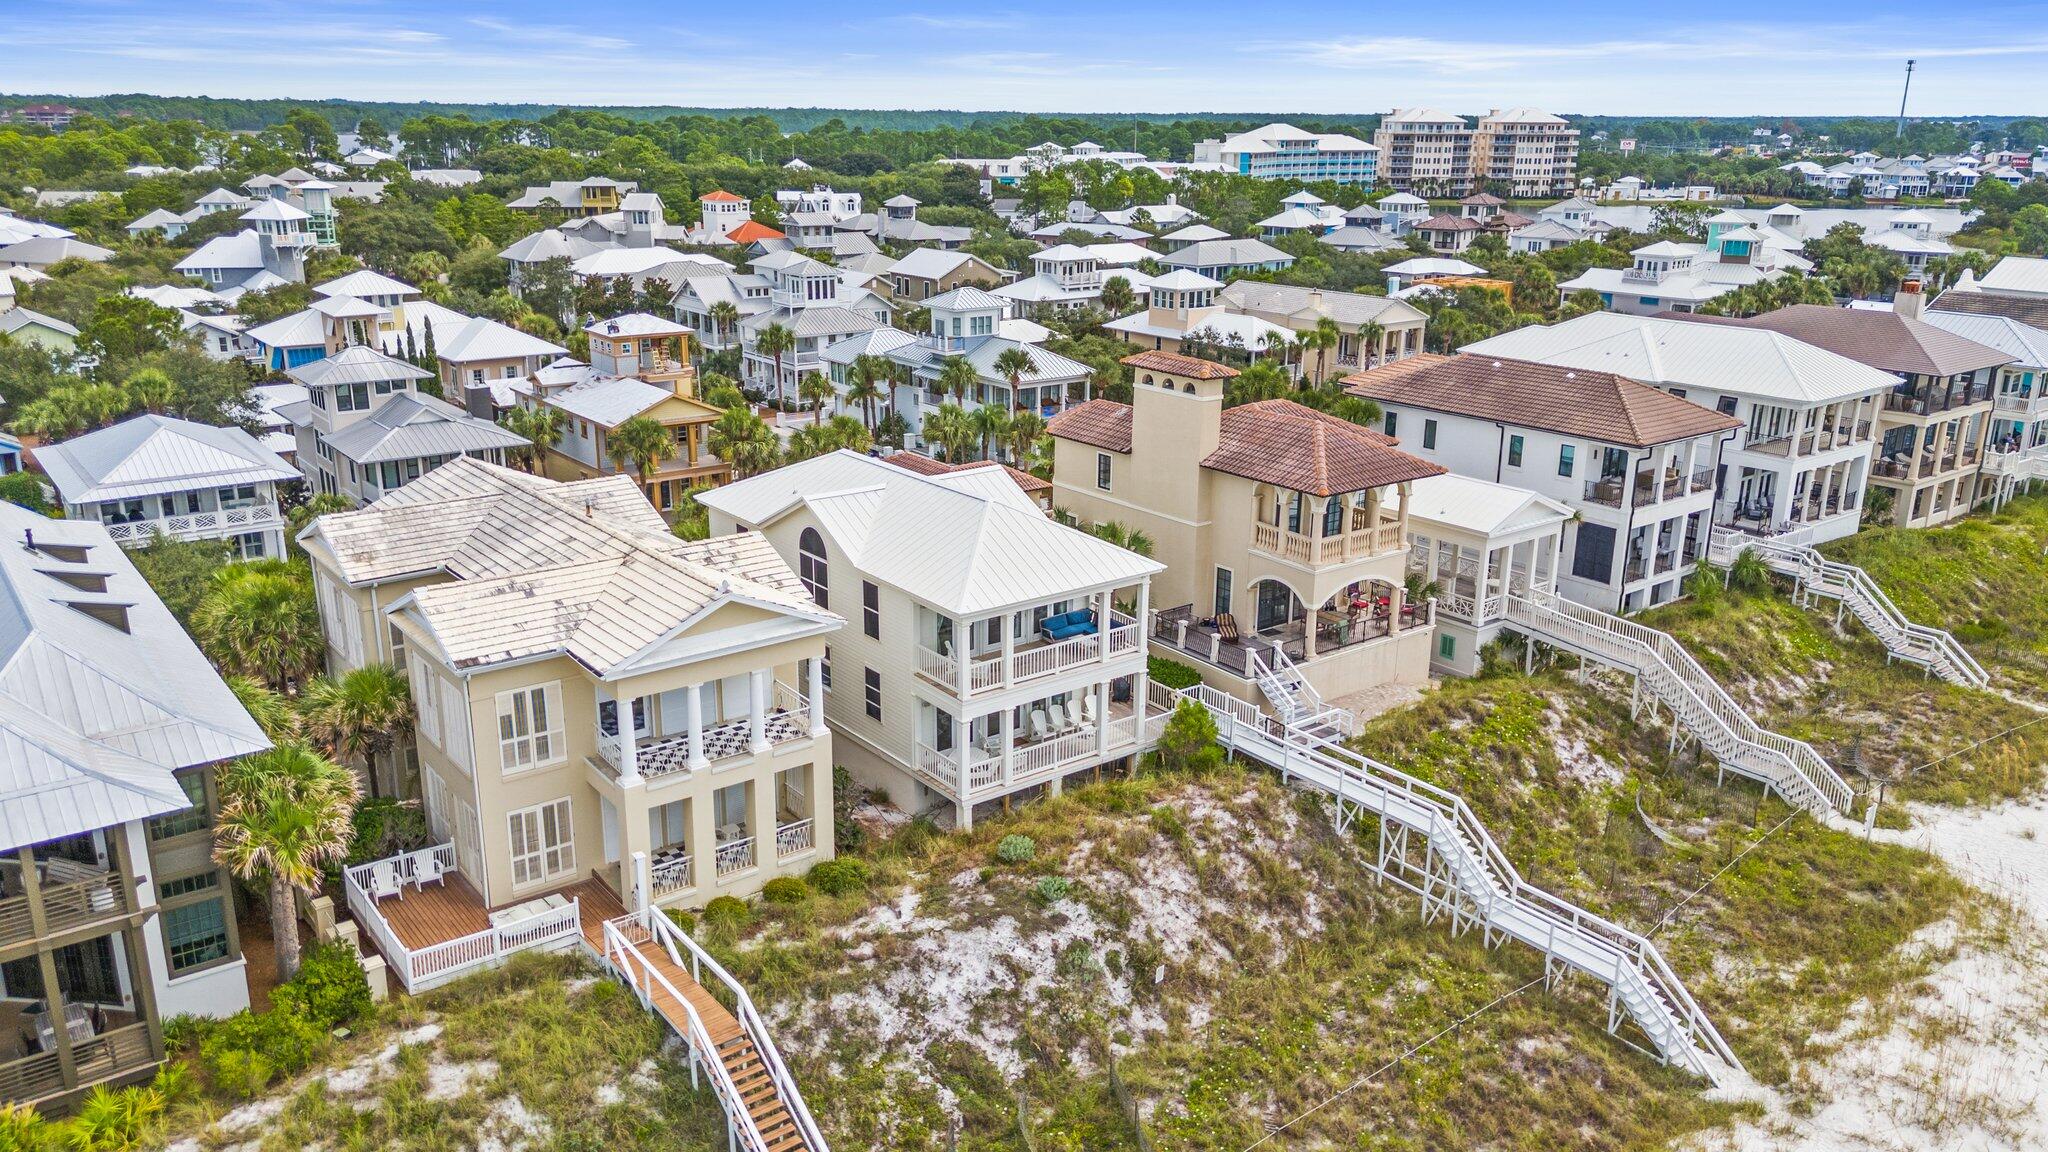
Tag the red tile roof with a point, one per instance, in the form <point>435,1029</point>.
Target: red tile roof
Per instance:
<point>1103,423</point>
<point>720,195</point>
<point>926,466</point>
<point>1575,402</point>
<point>1448,223</point>
<point>1191,367</point>
<point>751,231</point>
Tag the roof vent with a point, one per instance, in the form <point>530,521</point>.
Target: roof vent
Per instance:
<point>112,615</point>
<point>1571,375</point>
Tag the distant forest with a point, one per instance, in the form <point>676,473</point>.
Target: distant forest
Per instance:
<point>1111,129</point>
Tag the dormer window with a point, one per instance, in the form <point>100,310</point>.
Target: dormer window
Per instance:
<point>82,581</point>
<point>112,615</point>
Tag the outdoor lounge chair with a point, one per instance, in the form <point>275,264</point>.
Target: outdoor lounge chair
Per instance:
<point>1226,627</point>
<point>1061,722</point>
<point>426,869</point>
<point>1038,725</point>
<point>1088,716</point>
<point>385,881</point>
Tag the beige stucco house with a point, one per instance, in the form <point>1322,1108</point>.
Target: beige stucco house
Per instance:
<point>1283,530</point>
<point>534,620</point>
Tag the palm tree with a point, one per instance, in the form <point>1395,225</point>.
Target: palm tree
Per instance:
<point>805,443</point>
<point>259,620</point>
<point>724,314</point>
<point>949,428</point>
<point>1012,365</point>
<point>360,714</point>
<point>1025,429</point>
<point>1370,334</point>
<point>284,816</point>
<point>815,389</point>
<point>152,389</point>
<point>642,442</point>
<point>991,425</point>
<point>1117,296</point>
<point>865,377</point>
<point>844,431</point>
<point>1322,338</point>
<point>540,425</point>
<point>775,339</point>
<point>957,377</point>
<point>1130,539</point>
<point>744,441</point>
<point>271,712</point>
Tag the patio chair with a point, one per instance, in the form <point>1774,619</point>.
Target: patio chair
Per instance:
<point>427,868</point>
<point>1088,716</point>
<point>1226,627</point>
<point>1038,725</point>
<point>1061,723</point>
<point>992,743</point>
<point>385,881</point>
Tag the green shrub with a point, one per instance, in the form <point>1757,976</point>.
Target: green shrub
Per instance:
<point>682,919</point>
<point>786,890</point>
<point>114,1121</point>
<point>840,876</point>
<point>173,1081</point>
<point>25,489</point>
<point>1188,741</point>
<point>1172,673</point>
<point>919,837</point>
<point>240,1073</point>
<point>386,827</point>
<point>727,912</point>
<point>1167,822</point>
<point>330,989</point>
<point>1051,889</point>
<point>244,1051</point>
<point>23,1129</point>
<point>1016,849</point>
<point>847,835</point>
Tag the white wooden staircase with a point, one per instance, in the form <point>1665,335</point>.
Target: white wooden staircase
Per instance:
<point>1294,699</point>
<point>1432,844</point>
<point>1854,591</point>
<point>1698,705</point>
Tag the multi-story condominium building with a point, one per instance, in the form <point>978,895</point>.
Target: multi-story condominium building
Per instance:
<point>1283,529</point>
<point>1425,150</point>
<point>154,475</point>
<point>113,913</point>
<point>2007,310</point>
<point>998,651</point>
<point>1526,150</point>
<point>1936,421</point>
<point>1635,464</point>
<point>812,301</point>
<point>1473,543</point>
<point>1283,152</point>
<point>606,715</point>
<point>1801,458</point>
<point>364,430</point>
<point>639,367</point>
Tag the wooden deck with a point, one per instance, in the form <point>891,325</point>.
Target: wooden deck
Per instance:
<point>436,913</point>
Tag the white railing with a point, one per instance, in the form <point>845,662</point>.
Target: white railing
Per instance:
<point>1048,754</point>
<point>1055,656</point>
<point>683,951</point>
<point>191,525</point>
<point>1850,586</point>
<point>1489,889</point>
<point>794,704</point>
<point>673,874</point>
<point>1357,544</point>
<point>986,672</point>
<point>800,836</point>
<point>1701,706</point>
<point>436,963</point>
<point>735,856</point>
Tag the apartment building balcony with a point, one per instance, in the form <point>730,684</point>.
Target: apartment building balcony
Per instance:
<point>1363,541</point>
<point>1647,489</point>
<point>107,1045</point>
<point>784,718</point>
<point>1811,441</point>
<point>197,525</point>
<point>431,926</point>
<point>1058,643</point>
<point>77,901</point>
<point>2025,405</point>
<point>1924,465</point>
<point>1037,742</point>
<point>1926,402</point>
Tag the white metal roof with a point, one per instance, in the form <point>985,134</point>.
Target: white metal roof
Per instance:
<point>929,263</point>
<point>956,541</point>
<point>2026,275</point>
<point>93,719</point>
<point>240,250</point>
<point>1724,358</point>
<point>149,454</point>
<point>1481,507</point>
<point>301,329</point>
<point>1434,266</point>
<point>408,426</point>
<point>2026,344</point>
<point>365,283</point>
<point>485,339</point>
<point>609,400</point>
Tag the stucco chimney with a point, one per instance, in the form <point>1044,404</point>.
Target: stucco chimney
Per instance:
<point>1910,301</point>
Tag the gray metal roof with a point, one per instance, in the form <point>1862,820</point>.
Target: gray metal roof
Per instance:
<point>410,426</point>
<point>93,719</point>
<point>150,454</point>
<point>356,364</point>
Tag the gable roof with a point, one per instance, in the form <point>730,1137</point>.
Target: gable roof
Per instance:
<point>94,719</point>
<point>364,282</point>
<point>753,230</point>
<point>1597,405</point>
<point>1276,442</point>
<point>926,466</point>
<point>485,339</point>
<point>966,541</point>
<point>411,425</point>
<point>1481,506</point>
<point>1884,340</point>
<point>355,364</point>
<point>2029,310</point>
<point>150,454</point>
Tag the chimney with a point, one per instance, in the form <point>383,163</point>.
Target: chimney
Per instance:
<point>1910,301</point>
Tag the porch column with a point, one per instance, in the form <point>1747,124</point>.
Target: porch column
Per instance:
<point>1103,615</point>
<point>1101,690</point>
<point>629,751</point>
<point>963,654</point>
<point>758,722</point>
<point>963,744</point>
<point>1479,582</point>
<point>815,694</point>
<point>693,719</point>
<point>1006,736</point>
<point>1308,628</point>
<point>1144,610</point>
<point>1007,623</point>
<point>1395,600</point>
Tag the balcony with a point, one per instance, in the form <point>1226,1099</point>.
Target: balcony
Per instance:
<point>73,897</point>
<point>1030,660</point>
<point>1362,543</point>
<point>1927,401</point>
<point>1036,756</point>
<point>1674,486</point>
<point>198,525</point>
<point>1812,440</point>
<point>788,719</point>
<point>1337,630</point>
<point>105,1056</point>
<point>2021,403</point>
<point>431,926</point>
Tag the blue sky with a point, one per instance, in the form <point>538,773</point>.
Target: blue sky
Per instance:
<point>1608,56</point>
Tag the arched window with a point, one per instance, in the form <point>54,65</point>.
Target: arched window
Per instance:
<point>1188,388</point>
<point>810,565</point>
<point>1148,379</point>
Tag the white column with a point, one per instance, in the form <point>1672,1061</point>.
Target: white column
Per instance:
<point>1107,605</point>
<point>638,885</point>
<point>758,722</point>
<point>1145,608</point>
<point>963,741</point>
<point>1101,690</point>
<point>629,749</point>
<point>1008,623</point>
<point>693,717</point>
<point>963,653</point>
<point>815,695</point>
<point>1007,741</point>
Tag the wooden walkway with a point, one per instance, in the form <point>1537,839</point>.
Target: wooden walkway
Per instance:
<point>735,1049</point>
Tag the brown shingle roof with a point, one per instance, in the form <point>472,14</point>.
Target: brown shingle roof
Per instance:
<point>1884,340</point>
<point>1296,447</point>
<point>2028,310</point>
<point>1483,198</point>
<point>1103,423</point>
<point>1192,367</point>
<point>1448,223</point>
<point>1574,402</point>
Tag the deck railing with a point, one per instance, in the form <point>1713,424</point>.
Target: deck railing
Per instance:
<point>103,897</point>
<point>795,837</point>
<point>985,672</point>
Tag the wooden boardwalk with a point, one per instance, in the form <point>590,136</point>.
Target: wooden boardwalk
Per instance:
<point>735,1049</point>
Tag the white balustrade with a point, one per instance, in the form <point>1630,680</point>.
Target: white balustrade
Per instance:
<point>796,837</point>
<point>735,856</point>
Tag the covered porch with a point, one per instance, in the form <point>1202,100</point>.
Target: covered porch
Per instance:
<point>745,824</point>
<point>988,755</point>
<point>1360,613</point>
<point>692,728</point>
<point>1314,531</point>
<point>977,655</point>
